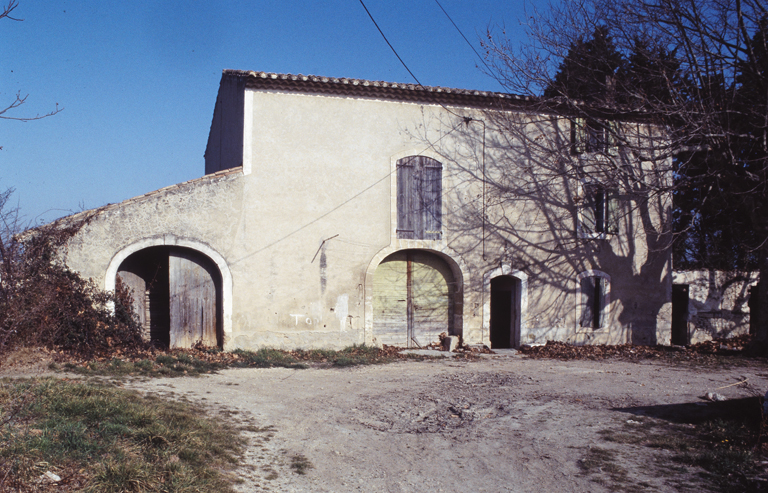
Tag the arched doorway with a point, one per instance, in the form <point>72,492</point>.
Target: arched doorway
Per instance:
<point>177,295</point>
<point>505,312</point>
<point>413,299</point>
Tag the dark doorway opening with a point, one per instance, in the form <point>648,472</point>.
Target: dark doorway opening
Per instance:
<point>505,312</point>
<point>176,296</point>
<point>680,315</point>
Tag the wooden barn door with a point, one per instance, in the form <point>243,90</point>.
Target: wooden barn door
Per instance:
<point>413,299</point>
<point>193,303</point>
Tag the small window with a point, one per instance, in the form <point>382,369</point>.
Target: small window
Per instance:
<point>598,212</point>
<point>419,198</point>
<point>594,287</point>
<point>590,136</point>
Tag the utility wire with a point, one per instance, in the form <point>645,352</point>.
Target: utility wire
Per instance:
<point>390,44</point>
<point>462,35</point>
<point>466,119</point>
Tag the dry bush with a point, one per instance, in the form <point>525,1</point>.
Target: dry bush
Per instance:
<point>44,303</point>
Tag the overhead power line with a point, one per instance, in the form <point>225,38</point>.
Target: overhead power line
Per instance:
<point>390,44</point>
<point>482,60</point>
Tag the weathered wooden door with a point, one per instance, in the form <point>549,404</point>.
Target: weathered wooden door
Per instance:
<point>193,304</point>
<point>413,299</point>
<point>137,287</point>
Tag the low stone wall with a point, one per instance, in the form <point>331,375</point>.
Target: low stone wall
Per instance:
<point>718,302</point>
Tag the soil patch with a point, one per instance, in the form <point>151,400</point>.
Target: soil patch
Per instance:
<point>501,423</point>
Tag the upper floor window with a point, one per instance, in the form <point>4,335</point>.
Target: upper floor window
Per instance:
<point>598,211</point>
<point>419,198</point>
<point>590,135</point>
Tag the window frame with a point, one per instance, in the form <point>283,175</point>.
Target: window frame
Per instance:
<point>597,204</point>
<point>419,207</point>
<point>600,297</point>
<point>592,136</point>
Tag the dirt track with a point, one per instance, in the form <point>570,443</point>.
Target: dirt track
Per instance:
<point>505,423</point>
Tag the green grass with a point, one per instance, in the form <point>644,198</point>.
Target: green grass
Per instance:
<point>200,361</point>
<point>104,439</point>
<point>266,358</point>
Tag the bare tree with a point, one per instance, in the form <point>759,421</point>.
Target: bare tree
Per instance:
<point>7,112</point>
<point>688,98</point>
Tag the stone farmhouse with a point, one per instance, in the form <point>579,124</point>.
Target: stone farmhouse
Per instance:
<point>340,211</point>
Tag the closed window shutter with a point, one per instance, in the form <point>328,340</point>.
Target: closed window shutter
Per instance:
<point>578,136</point>
<point>599,197</point>
<point>419,198</point>
<point>588,220</point>
<point>588,302</point>
<point>599,302</point>
<point>432,201</point>
<point>405,193</point>
<point>612,213</point>
<point>612,138</point>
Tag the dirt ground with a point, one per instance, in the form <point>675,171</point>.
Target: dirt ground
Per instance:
<point>504,423</point>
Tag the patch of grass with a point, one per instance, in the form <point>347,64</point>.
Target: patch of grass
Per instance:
<point>300,464</point>
<point>266,358</point>
<point>166,365</point>
<point>599,461</point>
<point>717,452</point>
<point>193,362</point>
<point>103,439</point>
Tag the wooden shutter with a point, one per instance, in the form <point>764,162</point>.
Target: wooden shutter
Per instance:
<point>612,212</point>
<point>419,198</point>
<point>593,302</point>
<point>587,302</point>
<point>405,198</point>
<point>578,136</point>
<point>612,138</point>
<point>431,197</point>
<point>588,219</point>
<point>599,198</point>
<point>599,302</point>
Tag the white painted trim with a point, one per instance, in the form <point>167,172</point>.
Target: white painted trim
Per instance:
<point>458,269</point>
<point>247,131</point>
<point>172,240</point>
<point>504,270</point>
<point>606,300</point>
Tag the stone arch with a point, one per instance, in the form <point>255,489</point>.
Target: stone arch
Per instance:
<point>458,272</point>
<point>171,241</point>
<point>520,300</point>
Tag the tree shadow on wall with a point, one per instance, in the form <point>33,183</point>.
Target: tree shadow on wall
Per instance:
<point>526,190</point>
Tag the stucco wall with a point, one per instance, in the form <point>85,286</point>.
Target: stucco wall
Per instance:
<point>303,229</point>
<point>718,302</point>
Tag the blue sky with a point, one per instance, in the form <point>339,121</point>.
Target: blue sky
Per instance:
<point>137,80</point>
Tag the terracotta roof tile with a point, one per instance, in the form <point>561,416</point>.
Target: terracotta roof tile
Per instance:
<point>397,91</point>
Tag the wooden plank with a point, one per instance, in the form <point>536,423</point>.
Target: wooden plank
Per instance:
<point>137,286</point>
<point>192,293</point>
<point>390,299</point>
<point>432,298</point>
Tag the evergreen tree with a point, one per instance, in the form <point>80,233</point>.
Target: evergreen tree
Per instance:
<point>589,70</point>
